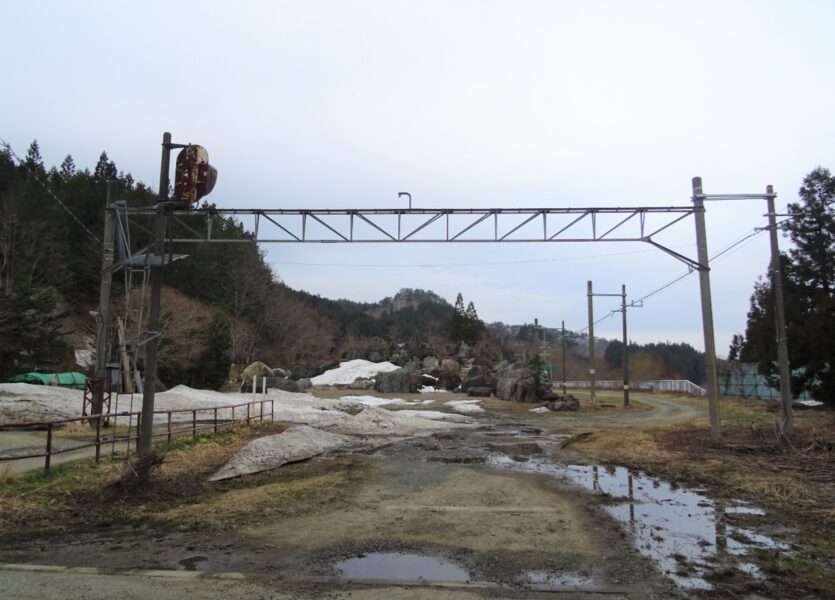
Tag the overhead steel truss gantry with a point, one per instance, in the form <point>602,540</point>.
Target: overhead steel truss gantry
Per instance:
<point>426,225</point>
<point>168,223</point>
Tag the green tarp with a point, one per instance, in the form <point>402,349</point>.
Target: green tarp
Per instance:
<point>75,381</point>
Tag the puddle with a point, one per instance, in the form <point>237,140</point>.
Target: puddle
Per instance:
<point>190,563</point>
<point>397,566</point>
<point>547,580</point>
<point>681,530</point>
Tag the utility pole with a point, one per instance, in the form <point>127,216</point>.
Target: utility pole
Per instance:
<point>147,426</point>
<point>625,348</point>
<point>780,318</point>
<point>563,360</point>
<point>592,373</point>
<point>707,305</point>
<point>103,317</point>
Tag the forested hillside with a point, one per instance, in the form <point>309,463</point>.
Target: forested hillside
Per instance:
<point>221,304</point>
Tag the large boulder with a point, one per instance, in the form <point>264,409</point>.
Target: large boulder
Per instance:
<point>516,383</point>
<point>361,384</point>
<point>398,381</point>
<point>476,377</point>
<point>567,402</point>
<point>430,363</point>
<point>449,375</point>
<point>379,350</point>
<point>256,369</point>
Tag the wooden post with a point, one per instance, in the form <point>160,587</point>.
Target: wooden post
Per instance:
<point>48,446</point>
<point>98,440</point>
<point>169,428</point>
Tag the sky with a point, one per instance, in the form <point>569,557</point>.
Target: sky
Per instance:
<point>463,104</point>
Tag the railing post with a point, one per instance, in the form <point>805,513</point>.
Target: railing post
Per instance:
<point>98,439</point>
<point>272,409</point>
<point>215,428</point>
<point>169,428</point>
<point>248,411</point>
<point>262,411</point>
<point>138,431</point>
<point>194,424</point>
<point>48,446</point>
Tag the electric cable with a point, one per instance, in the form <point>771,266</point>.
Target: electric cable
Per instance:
<point>23,164</point>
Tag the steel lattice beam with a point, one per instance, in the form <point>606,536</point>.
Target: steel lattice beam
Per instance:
<point>429,225</point>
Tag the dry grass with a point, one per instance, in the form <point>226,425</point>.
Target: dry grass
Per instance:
<point>73,496</point>
<point>8,473</point>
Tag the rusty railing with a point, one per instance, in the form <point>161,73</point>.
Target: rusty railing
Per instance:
<point>170,430</point>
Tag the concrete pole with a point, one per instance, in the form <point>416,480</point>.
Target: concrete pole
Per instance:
<point>625,349</point>
<point>592,373</point>
<point>147,425</point>
<point>103,317</point>
<point>564,389</point>
<point>707,305</point>
<point>780,319</point>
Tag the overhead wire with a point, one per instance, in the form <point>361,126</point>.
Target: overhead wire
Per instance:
<point>724,252</point>
<point>49,191</point>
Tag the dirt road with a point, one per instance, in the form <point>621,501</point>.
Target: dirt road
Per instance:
<point>500,512</point>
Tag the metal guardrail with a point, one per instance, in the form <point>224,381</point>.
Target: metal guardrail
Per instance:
<point>170,432</point>
<point>681,386</point>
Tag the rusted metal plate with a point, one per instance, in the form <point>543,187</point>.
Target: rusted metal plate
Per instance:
<point>194,176</point>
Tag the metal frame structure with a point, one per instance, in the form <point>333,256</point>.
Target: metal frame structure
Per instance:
<point>392,225</point>
<point>413,225</point>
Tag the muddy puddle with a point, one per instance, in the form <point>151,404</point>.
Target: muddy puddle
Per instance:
<point>684,532</point>
<point>397,566</point>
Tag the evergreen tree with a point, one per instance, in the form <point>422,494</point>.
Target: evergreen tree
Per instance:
<point>67,168</point>
<point>735,349</point>
<point>809,291</point>
<point>105,169</point>
<point>811,313</point>
<point>33,158</point>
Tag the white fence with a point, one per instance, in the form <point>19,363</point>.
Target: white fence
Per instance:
<point>679,386</point>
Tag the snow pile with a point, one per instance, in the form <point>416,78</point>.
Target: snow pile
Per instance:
<point>809,403</point>
<point>541,409</point>
<point>270,452</point>
<point>465,406</point>
<point>429,389</point>
<point>377,401</point>
<point>434,415</point>
<point>350,370</point>
<point>24,402</point>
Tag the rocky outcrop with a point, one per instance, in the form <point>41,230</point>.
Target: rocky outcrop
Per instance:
<point>476,377</point>
<point>361,384</point>
<point>404,379</point>
<point>567,402</point>
<point>515,382</point>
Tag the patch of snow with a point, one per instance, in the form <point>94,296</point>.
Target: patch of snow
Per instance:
<point>810,403</point>
<point>348,371</point>
<point>377,401</point>
<point>434,415</point>
<point>296,443</point>
<point>428,389</point>
<point>541,409</point>
<point>465,406</point>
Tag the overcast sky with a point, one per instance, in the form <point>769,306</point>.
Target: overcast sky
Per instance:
<point>463,104</point>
